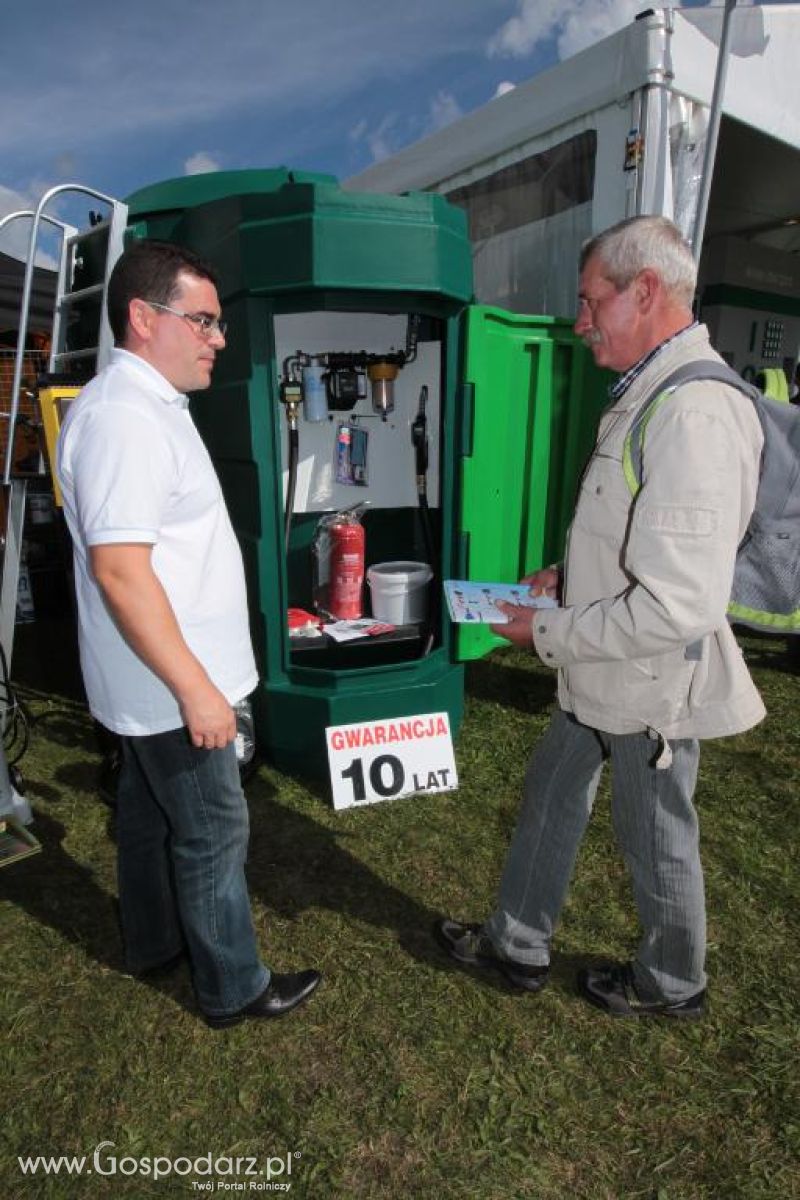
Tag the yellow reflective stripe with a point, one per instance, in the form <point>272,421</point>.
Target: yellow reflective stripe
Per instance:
<point>775,384</point>
<point>629,471</point>
<point>785,622</point>
<point>627,467</point>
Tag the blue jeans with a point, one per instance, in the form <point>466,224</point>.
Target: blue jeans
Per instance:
<point>656,828</point>
<point>182,831</point>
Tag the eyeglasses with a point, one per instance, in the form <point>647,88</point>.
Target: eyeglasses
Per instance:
<point>205,325</point>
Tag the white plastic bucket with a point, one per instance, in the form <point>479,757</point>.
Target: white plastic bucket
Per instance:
<point>399,591</point>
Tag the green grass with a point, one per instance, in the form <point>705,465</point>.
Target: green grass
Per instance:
<point>404,1076</point>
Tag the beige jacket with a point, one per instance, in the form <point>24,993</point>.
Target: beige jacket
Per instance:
<point>642,641</point>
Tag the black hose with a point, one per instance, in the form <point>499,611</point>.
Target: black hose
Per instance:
<point>412,336</point>
<point>427,530</point>
<point>419,439</point>
<point>294,454</point>
<point>430,550</point>
<point>16,730</point>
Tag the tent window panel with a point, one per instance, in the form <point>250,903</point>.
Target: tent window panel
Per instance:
<point>530,190</point>
<point>525,270</point>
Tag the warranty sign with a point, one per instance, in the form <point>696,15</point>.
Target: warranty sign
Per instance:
<point>381,760</point>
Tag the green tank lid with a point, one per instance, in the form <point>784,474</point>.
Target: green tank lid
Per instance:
<point>277,232</point>
<point>187,191</point>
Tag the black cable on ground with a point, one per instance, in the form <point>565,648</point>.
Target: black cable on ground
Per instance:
<point>16,731</point>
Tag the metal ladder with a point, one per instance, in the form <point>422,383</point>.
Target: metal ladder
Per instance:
<point>103,243</point>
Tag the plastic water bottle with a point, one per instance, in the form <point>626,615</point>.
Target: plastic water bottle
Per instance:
<point>245,741</point>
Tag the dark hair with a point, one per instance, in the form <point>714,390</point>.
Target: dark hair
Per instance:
<point>149,270</point>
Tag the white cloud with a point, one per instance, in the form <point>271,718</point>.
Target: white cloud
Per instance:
<point>15,237</point>
<point>503,88</point>
<point>574,24</point>
<point>380,141</point>
<point>588,22</point>
<point>444,110</point>
<point>11,201</point>
<point>359,130</point>
<point>200,163</point>
<point>535,22</point>
<point>385,138</point>
<point>160,67</point>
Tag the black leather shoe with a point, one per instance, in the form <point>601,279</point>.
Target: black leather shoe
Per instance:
<point>282,994</point>
<point>612,987</point>
<point>470,946</point>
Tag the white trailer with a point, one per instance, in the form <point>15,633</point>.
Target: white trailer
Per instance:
<point>621,129</point>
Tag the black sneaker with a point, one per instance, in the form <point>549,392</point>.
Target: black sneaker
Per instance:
<point>470,946</point>
<point>612,987</point>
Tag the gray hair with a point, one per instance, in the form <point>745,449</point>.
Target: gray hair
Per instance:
<point>639,242</point>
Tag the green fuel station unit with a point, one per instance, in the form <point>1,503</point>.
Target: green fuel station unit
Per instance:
<point>358,376</point>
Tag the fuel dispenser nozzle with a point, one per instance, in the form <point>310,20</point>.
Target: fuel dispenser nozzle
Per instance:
<point>419,440</point>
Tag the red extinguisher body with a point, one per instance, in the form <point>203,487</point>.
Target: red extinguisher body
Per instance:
<point>346,588</point>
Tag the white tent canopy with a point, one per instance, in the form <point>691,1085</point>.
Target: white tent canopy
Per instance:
<point>615,130</point>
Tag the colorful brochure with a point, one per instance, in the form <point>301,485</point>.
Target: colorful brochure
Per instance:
<point>471,602</point>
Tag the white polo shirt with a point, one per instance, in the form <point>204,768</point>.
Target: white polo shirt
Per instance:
<point>133,468</point>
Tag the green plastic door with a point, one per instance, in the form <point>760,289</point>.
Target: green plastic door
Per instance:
<point>532,401</point>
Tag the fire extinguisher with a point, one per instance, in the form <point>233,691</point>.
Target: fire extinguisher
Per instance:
<point>347,570</point>
<point>339,556</point>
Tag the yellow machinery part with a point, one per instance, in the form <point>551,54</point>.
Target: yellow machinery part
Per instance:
<point>53,404</point>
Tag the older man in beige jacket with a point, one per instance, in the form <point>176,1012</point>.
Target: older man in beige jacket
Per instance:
<point>647,663</point>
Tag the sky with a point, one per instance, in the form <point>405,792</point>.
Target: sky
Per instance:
<point>120,96</point>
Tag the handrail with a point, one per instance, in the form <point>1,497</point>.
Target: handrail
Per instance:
<point>22,333</point>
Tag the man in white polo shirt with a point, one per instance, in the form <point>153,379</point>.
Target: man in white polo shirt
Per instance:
<point>164,636</point>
